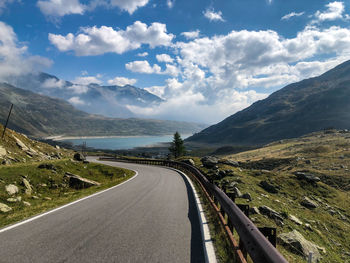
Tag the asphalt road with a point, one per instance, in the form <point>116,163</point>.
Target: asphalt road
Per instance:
<point>152,218</point>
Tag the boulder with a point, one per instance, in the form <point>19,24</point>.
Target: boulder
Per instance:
<point>20,144</point>
<point>2,151</point>
<point>237,192</point>
<point>307,177</point>
<point>79,157</point>
<point>308,203</point>
<point>11,189</point>
<point>254,210</point>
<point>295,220</point>
<point>14,199</point>
<point>265,210</point>
<point>247,196</point>
<point>78,182</point>
<point>28,187</point>
<point>48,166</point>
<point>188,161</point>
<point>268,187</point>
<point>296,243</point>
<point>4,208</point>
<point>209,161</point>
<point>26,203</point>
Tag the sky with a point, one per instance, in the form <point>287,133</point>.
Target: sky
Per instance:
<point>207,59</point>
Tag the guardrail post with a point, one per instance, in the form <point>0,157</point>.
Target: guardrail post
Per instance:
<point>270,233</point>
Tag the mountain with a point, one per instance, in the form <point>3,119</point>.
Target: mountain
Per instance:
<point>299,108</point>
<point>39,116</point>
<point>111,101</point>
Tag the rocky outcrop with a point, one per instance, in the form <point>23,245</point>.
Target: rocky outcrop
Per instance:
<point>4,208</point>
<point>295,220</point>
<point>28,188</point>
<point>265,210</point>
<point>209,161</point>
<point>308,203</point>
<point>48,166</point>
<point>307,177</point>
<point>79,157</point>
<point>267,186</point>
<point>78,182</point>
<point>296,243</point>
<point>229,162</point>
<point>2,152</point>
<point>11,189</point>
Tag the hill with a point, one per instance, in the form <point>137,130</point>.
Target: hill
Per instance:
<point>111,101</point>
<point>300,108</point>
<point>38,115</point>
<point>299,184</point>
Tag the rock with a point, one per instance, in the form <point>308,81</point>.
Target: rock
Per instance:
<point>47,198</point>
<point>78,182</point>
<point>11,189</point>
<point>35,197</point>
<point>295,242</point>
<point>247,196</point>
<point>48,166</point>
<point>6,162</point>
<point>209,161</point>
<point>4,208</point>
<point>57,147</point>
<point>268,187</point>
<point>308,203</point>
<point>27,185</point>
<point>86,162</point>
<point>265,210</point>
<point>308,226</point>
<point>237,192</point>
<point>2,152</point>
<point>188,161</point>
<point>254,210</point>
<point>308,177</point>
<point>20,144</point>
<point>14,199</point>
<point>79,157</point>
<point>26,203</point>
<point>229,162</point>
<point>332,212</point>
<point>295,220</point>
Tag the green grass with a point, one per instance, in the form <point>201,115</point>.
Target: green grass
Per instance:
<point>56,188</point>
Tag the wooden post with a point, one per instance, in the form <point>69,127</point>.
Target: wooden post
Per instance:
<point>7,121</point>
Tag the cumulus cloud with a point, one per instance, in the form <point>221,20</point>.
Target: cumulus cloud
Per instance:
<point>14,58</point>
<point>164,58</point>
<point>122,81</point>
<point>335,10</point>
<point>97,41</point>
<point>53,83</point>
<point>143,67</point>
<point>290,15</point>
<point>212,15</point>
<point>144,54</point>
<point>86,80</point>
<point>76,101</point>
<point>129,5</point>
<point>170,3</point>
<point>191,34</point>
<point>4,3</point>
<point>59,8</point>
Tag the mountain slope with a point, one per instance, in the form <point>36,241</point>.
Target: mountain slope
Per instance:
<point>39,115</point>
<point>299,108</point>
<point>111,101</point>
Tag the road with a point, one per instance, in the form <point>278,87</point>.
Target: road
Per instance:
<point>151,218</point>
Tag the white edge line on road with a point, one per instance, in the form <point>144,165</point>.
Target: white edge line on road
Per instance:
<point>69,204</point>
<point>208,245</point>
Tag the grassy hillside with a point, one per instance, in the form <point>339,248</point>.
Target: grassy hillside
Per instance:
<point>299,108</point>
<point>325,155</point>
<point>39,116</point>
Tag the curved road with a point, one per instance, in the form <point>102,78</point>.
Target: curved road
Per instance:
<point>152,218</point>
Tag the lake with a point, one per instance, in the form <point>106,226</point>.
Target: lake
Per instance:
<point>123,143</point>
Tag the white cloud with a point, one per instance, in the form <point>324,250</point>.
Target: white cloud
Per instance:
<point>59,8</point>
<point>191,34</point>
<point>78,89</point>
<point>122,81</point>
<point>86,80</point>
<point>76,101</point>
<point>4,3</point>
<point>334,11</point>
<point>212,15</point>
<point>129,5</point>
<point>144,54</point>
<point>164,58</point>
<point>14,58</point>
<point>97,41</point>
<point>156,90</point>
<point>170,3</point>
<point>293,14</point>
<point>53,83</point>
<point>143,67</point>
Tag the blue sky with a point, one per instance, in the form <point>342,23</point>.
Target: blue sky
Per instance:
<point>207,59</point>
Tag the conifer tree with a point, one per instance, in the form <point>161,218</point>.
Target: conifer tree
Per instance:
<point>177,147</point>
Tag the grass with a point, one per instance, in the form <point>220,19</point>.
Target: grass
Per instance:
<point>48,184</point>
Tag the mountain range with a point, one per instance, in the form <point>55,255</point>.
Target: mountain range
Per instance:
<point>111,101</point>
<point>310,105</point>
<point>41,116</point>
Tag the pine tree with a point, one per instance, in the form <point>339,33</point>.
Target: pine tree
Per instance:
<point>177,147</point>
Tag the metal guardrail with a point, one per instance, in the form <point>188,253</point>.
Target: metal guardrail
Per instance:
<point>251,240</point>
